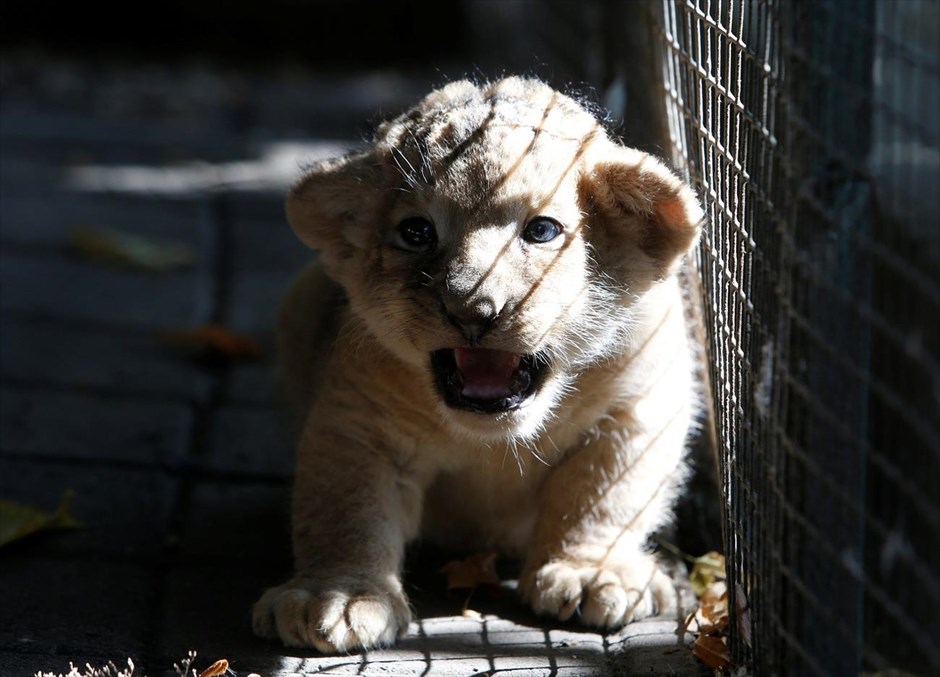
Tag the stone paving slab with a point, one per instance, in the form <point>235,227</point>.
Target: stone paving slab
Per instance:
<point>206,607</point>
<point>26,175</point>
<point>452,646</point>
<point>41,423</point>
<point>40,220</point>
<point>78,607</point>
<point>249,440</point>
<point>66,136</point>
<point>44,351</point>
<point>266,255</point>
<point>655,653</point>
<point>125,512</point>
<point>230,522</point>
<point>251,384</point>
<point>254,300</point>
<point>60,286</point>
<point>265,242</point>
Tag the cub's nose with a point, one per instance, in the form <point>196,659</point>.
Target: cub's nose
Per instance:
<point>473,320</point>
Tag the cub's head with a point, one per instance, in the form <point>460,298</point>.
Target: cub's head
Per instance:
<point>497,239</point>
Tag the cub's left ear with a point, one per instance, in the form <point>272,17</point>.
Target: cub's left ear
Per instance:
<point>637,198</point>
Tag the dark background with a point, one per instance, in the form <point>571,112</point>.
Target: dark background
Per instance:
<point>332,35</point>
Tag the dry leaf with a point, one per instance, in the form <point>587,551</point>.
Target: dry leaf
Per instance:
<point>712,651</point>
<point>706,569</point>
<point>220,667</point>
<point>472,572</point>
<point>712,615</point>
<point>131,251</point>
<point>212,342</point>
<point>18,521</point>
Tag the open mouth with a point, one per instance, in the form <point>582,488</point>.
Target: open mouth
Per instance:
<point>487,381</point>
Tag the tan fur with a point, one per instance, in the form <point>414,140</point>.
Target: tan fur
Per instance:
<point>573,482</point>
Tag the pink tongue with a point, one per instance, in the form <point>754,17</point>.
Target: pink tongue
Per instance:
<point>487,374</point>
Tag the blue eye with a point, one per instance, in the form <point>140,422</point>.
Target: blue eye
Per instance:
<point>541,229</point>
<point>416,235</point>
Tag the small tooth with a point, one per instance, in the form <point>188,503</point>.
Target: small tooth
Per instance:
<point>521,380</point>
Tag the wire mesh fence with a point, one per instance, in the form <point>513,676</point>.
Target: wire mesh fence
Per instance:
<point>811,129</point>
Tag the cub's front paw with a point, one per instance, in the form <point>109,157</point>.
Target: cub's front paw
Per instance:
<point>333,616</point>
<point>606,596</point>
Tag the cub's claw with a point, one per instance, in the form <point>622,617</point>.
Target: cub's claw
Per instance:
<point>604,596</point>
<point>332,618</point>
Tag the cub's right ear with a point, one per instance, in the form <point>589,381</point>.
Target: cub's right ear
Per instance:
<point>331,206</point>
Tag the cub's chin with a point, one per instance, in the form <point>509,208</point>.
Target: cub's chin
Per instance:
<point>493,393</point>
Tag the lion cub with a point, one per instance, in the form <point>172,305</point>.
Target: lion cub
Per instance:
<point>509,371</point>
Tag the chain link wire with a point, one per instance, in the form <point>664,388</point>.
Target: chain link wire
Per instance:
<point>811,129</point>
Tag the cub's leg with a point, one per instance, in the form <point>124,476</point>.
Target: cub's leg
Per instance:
<point>598,508</point>
<point>307,329</point>
<point>352,514</point>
